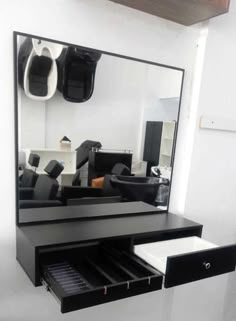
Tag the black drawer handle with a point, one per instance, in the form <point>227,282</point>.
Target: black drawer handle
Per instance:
<point>207,265</point>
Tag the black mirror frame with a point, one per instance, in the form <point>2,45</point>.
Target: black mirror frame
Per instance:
<point>15,35</point>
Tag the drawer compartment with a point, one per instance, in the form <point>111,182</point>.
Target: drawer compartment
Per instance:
<point>94,274</point>
<point>188,259</point>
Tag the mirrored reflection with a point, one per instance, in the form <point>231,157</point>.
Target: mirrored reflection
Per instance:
<point>93,128</point>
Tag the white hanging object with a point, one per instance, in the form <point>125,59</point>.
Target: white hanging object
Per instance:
<point>55,49</point>
<point>48,49</point>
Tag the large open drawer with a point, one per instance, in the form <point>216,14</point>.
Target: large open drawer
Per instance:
<point>188,259</point>
<point>87,275</point>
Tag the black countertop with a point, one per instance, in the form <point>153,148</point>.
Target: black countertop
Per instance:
<point>81,212</point>
<point>138,225</point>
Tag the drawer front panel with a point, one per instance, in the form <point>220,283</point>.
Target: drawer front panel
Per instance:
<point>191,267</point>
<point>109,294</point>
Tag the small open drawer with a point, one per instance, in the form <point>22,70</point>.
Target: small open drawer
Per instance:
<point>188,259</point>
<point>83,276</point>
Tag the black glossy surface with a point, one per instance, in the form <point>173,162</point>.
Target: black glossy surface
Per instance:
<point>186,268</point>
<point>138,226</point>
<point>152,144</point>
<point>84,212</point>
<point>76,73</point>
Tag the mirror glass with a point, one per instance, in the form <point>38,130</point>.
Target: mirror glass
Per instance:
<point>93,127</point>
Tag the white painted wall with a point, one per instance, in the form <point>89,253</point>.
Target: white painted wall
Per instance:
<point>102,24</point>
<point>212,181</point>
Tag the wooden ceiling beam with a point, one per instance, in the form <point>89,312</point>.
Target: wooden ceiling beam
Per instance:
<point>186,12</point>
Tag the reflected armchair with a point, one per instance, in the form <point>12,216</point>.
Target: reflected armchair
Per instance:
<point>44,194</point>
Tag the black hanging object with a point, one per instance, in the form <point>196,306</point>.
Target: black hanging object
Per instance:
<point>23,56</point>
<point>38,72</point>
<point>76,73</point>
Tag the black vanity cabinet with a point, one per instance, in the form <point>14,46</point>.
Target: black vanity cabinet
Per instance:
<point>93,254</point>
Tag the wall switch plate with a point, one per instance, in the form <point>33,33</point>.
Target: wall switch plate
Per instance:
<point>217,123</point>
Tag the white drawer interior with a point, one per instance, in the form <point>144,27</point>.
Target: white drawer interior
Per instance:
<point>156,253</point>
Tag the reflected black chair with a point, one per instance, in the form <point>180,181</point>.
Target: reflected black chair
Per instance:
<point>29,177</point>
<point>82,156</point>
<point>121,169</point>
<point>44,194</point>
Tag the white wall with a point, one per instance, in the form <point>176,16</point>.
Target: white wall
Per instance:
<point>99,24</point>
<point>31,118</point>
<point>32,122</point>
<point>126,94</point>
<point>212,180</point>
<point>166,85</point>
<point>109,116</point>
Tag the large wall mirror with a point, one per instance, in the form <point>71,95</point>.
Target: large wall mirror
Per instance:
<point>91,126</point>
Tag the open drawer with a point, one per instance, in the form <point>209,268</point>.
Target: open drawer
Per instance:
<point>188,259</point>
<point>87,275</point>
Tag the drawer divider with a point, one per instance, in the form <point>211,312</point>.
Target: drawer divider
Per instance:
<point>120,267</point>
<point>132,259</point>
<point>100,271</point>
<point>138,261</point>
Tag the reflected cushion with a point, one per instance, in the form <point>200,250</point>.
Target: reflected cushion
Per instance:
<point>98,182</point>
